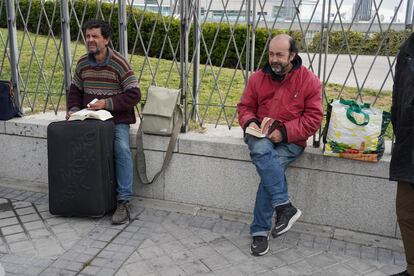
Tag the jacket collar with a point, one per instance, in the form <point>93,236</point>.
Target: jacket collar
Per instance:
<point>94,64</point>
<point>296,62</point>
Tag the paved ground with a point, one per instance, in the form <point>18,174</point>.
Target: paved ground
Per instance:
<point>167,242</point>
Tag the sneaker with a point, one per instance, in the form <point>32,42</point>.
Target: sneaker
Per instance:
<point>260,245</point>
<point>286,216</point>
<point>404,273</point>
<point>121,214</point>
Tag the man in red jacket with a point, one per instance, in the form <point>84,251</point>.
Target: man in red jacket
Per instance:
<point>289,93</point>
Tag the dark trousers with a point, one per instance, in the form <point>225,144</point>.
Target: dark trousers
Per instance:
<point>405,216</point>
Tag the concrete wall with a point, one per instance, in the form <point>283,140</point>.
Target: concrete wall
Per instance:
<point>212,168</point>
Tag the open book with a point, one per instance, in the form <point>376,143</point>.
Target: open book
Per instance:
<point>266,127</point>
<point>83,114</point>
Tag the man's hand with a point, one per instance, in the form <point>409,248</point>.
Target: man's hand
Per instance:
<point>253,125</point>
<point>68,114</point>
<point>100,104</point>
<point>276,136</point>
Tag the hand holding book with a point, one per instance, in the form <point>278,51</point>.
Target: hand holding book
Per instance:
<point>254,130</point>
<point>94,110</point>
<point>96,104</point>
<point>267,126</point>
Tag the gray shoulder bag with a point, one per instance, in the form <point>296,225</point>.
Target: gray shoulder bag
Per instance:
<point>161,115</point>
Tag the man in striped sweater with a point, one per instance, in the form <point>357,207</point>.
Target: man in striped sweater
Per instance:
<point>104,74</point>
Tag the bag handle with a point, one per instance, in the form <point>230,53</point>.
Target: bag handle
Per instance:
<point>355,108</point>
<point>140,156</point>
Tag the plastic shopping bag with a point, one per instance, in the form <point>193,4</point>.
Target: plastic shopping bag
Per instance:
<point>355,131</point>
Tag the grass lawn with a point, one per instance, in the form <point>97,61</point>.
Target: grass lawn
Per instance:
<point>42,80</point>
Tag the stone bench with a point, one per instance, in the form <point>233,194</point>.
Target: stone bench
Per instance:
<point>212,169</point>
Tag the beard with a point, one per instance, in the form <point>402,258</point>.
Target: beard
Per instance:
<point>94,52</point>
<point>279,68</point>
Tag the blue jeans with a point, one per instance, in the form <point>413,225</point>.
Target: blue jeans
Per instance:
<point>123,162</point>
<point>271,161</point>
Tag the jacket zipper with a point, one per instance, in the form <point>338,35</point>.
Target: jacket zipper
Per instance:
<point>296,94</point>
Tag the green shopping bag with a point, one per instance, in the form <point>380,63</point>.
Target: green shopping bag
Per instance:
<point>355,131</point>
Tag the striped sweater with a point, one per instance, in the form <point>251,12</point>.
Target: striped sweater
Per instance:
<point>112,80</point>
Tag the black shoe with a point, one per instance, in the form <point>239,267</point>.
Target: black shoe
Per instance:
<point>121,214</point>
<point>260,245</point>
<point>404,273</point>
<point>286,216</point>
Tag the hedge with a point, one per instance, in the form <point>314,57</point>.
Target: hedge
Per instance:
<point>220,34</point>
<point>386,43</point>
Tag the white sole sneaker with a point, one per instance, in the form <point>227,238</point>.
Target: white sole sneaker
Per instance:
<point>290,223</point>
<point>261,253</point>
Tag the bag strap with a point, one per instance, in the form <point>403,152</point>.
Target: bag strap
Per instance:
<point>140,156</point>
<point>355,108</point>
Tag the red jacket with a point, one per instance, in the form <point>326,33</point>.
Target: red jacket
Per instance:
<point>296,101</point>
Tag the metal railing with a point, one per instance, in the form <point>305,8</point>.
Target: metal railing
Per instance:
<point>210,53</point>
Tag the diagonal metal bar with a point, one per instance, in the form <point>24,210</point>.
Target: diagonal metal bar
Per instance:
<point>229,123</point>
<point>232,39</point>
<point>209,62</point>
<point>145,49</point>
<point>49,92</point>
<point>34,54</point>
<point>390,71</point>
<point>138,36</point>
<point>384,34</point>
<point>48,89</point>
<point>359,95</point>
<point>353,61</point>
<point>216,86</point>
<point>167,38</point>
<point>49,37</point>
<point>167,31</point>
<point>5,53</point>
<point>296,15</point>
<point>80,34</point>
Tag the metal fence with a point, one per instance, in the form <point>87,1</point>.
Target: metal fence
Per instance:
<point>211,51</point>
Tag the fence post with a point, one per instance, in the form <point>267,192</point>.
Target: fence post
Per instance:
<point>67,61</point>
<point>184,59</point>
<point>324,30</point>
<point>123,28</point>
<point>196,59</point>
<point>409,15</point>
<point>14,52</point>
<point>252,50</point>
<point>248,26</point>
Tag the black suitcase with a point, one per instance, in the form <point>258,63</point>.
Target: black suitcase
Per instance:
<point>81,168</point>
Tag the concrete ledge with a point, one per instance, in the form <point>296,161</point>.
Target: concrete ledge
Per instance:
<point>213,169</point>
